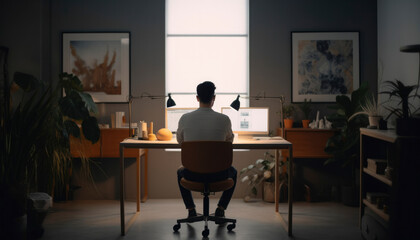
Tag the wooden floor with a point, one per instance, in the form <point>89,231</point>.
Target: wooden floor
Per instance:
<point>255,220</point>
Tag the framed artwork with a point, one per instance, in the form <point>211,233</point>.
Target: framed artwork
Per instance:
<point>324,65</point>
<point>102,63</point>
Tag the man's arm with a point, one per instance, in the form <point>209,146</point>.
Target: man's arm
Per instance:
<point>229,136</point>
<point>180,131</point>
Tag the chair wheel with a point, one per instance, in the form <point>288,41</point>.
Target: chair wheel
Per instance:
<point>177,227</point>
<point>206,232</point>
<point>231,226</point>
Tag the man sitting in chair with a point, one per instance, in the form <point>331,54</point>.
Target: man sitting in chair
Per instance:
<point>206,125</point>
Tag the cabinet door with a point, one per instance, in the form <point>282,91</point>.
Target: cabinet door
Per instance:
<point>111,139</point>
<point>308,143</point>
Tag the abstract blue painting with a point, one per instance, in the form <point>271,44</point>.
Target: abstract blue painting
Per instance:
<point>324,65</point>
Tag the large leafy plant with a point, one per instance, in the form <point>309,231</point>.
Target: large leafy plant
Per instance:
<point>344,145</point>
<point>36,124</point>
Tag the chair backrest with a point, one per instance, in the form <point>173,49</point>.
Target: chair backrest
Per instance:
<point>206,156</point>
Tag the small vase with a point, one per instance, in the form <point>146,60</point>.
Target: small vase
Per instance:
<point>288,123</point>
<point>305,123</point>
<point>374,121</point>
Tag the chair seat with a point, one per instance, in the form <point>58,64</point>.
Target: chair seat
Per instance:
<point>213,186</point>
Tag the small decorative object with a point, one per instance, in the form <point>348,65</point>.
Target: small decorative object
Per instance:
<point>142,130</point>
<point>324,65</point>
<point>164,134</point>
<point>305,107</point>
<point>151,136</point>
<point>321,124</point>
<point>328,124</point>
<point>389,171</point>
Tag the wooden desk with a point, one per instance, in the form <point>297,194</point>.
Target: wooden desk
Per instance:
<point>307,142</point>
<point>108,147</point>
<point>237,144</point>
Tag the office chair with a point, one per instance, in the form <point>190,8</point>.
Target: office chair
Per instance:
<point>206,157</point>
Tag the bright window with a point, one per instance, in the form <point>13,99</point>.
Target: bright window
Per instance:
<point>207,40</point>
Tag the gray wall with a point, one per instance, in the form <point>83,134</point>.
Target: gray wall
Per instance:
<point>271,22</point>
<point>398,25</point>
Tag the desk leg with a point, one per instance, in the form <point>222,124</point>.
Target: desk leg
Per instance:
<point>276,181</point>
<point>290,192</point>
<point>138,183</point>
<point>122,190</point>
<point>145,184</point>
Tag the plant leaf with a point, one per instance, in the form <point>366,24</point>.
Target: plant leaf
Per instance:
<point>90,129</point>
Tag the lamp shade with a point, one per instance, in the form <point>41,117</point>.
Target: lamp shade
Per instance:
<point>170,102</point>
<point>410,48</point>
<point>236,104</point>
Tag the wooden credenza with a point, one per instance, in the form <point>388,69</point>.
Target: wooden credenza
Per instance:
<point>307,142</point>
<point>108,146</point>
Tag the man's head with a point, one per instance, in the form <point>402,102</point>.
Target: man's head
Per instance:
<point>205,92</point>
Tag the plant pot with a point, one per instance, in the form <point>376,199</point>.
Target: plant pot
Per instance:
<point>374,121</point>
<point>288,123</point>
<point>268,192</point>
<point>305,123</point>
<point>408,126</point>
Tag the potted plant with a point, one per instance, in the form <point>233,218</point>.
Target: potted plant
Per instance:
<point>288,110</point>
<point>371,109</point>
<point>35,127</point>
<point>344,146</point>
<point>406,123</point>
<point>306,108</point>
<point>261,173</point>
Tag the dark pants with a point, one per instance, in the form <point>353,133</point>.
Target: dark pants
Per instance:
<point>214,177</point>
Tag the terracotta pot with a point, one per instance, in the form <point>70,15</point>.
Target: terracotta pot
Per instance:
<point>305,123</point>
<point>288,123</point>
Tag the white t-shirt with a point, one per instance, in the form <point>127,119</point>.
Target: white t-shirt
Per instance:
<point>204,124</point>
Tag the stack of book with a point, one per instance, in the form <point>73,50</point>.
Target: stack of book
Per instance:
<point>377,165</point>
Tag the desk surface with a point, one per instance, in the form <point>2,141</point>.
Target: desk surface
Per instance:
<point>240,143</point>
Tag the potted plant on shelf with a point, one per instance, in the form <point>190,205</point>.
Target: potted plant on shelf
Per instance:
<point>407,123</point>
<point>262,172</point>
<point>36,123</point>
<point>306,108</point>
<point>370,108</point>
<point>288,110</point>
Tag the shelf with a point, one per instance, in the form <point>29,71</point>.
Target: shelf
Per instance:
<point>376,210</point>
<point>380,177</point>
<point>385,135</point>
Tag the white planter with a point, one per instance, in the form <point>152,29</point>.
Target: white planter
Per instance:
<point>374,121</point>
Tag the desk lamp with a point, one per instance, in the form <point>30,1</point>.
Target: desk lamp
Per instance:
<point>169,103</point>
<point>413,49</point>
<point>236,105</point>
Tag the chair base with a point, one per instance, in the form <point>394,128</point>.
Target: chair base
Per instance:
<point>205,233</point>
<point>217,220</point>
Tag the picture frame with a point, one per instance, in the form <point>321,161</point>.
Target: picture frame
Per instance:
<point>324,65</point>
<point>101,61</point>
